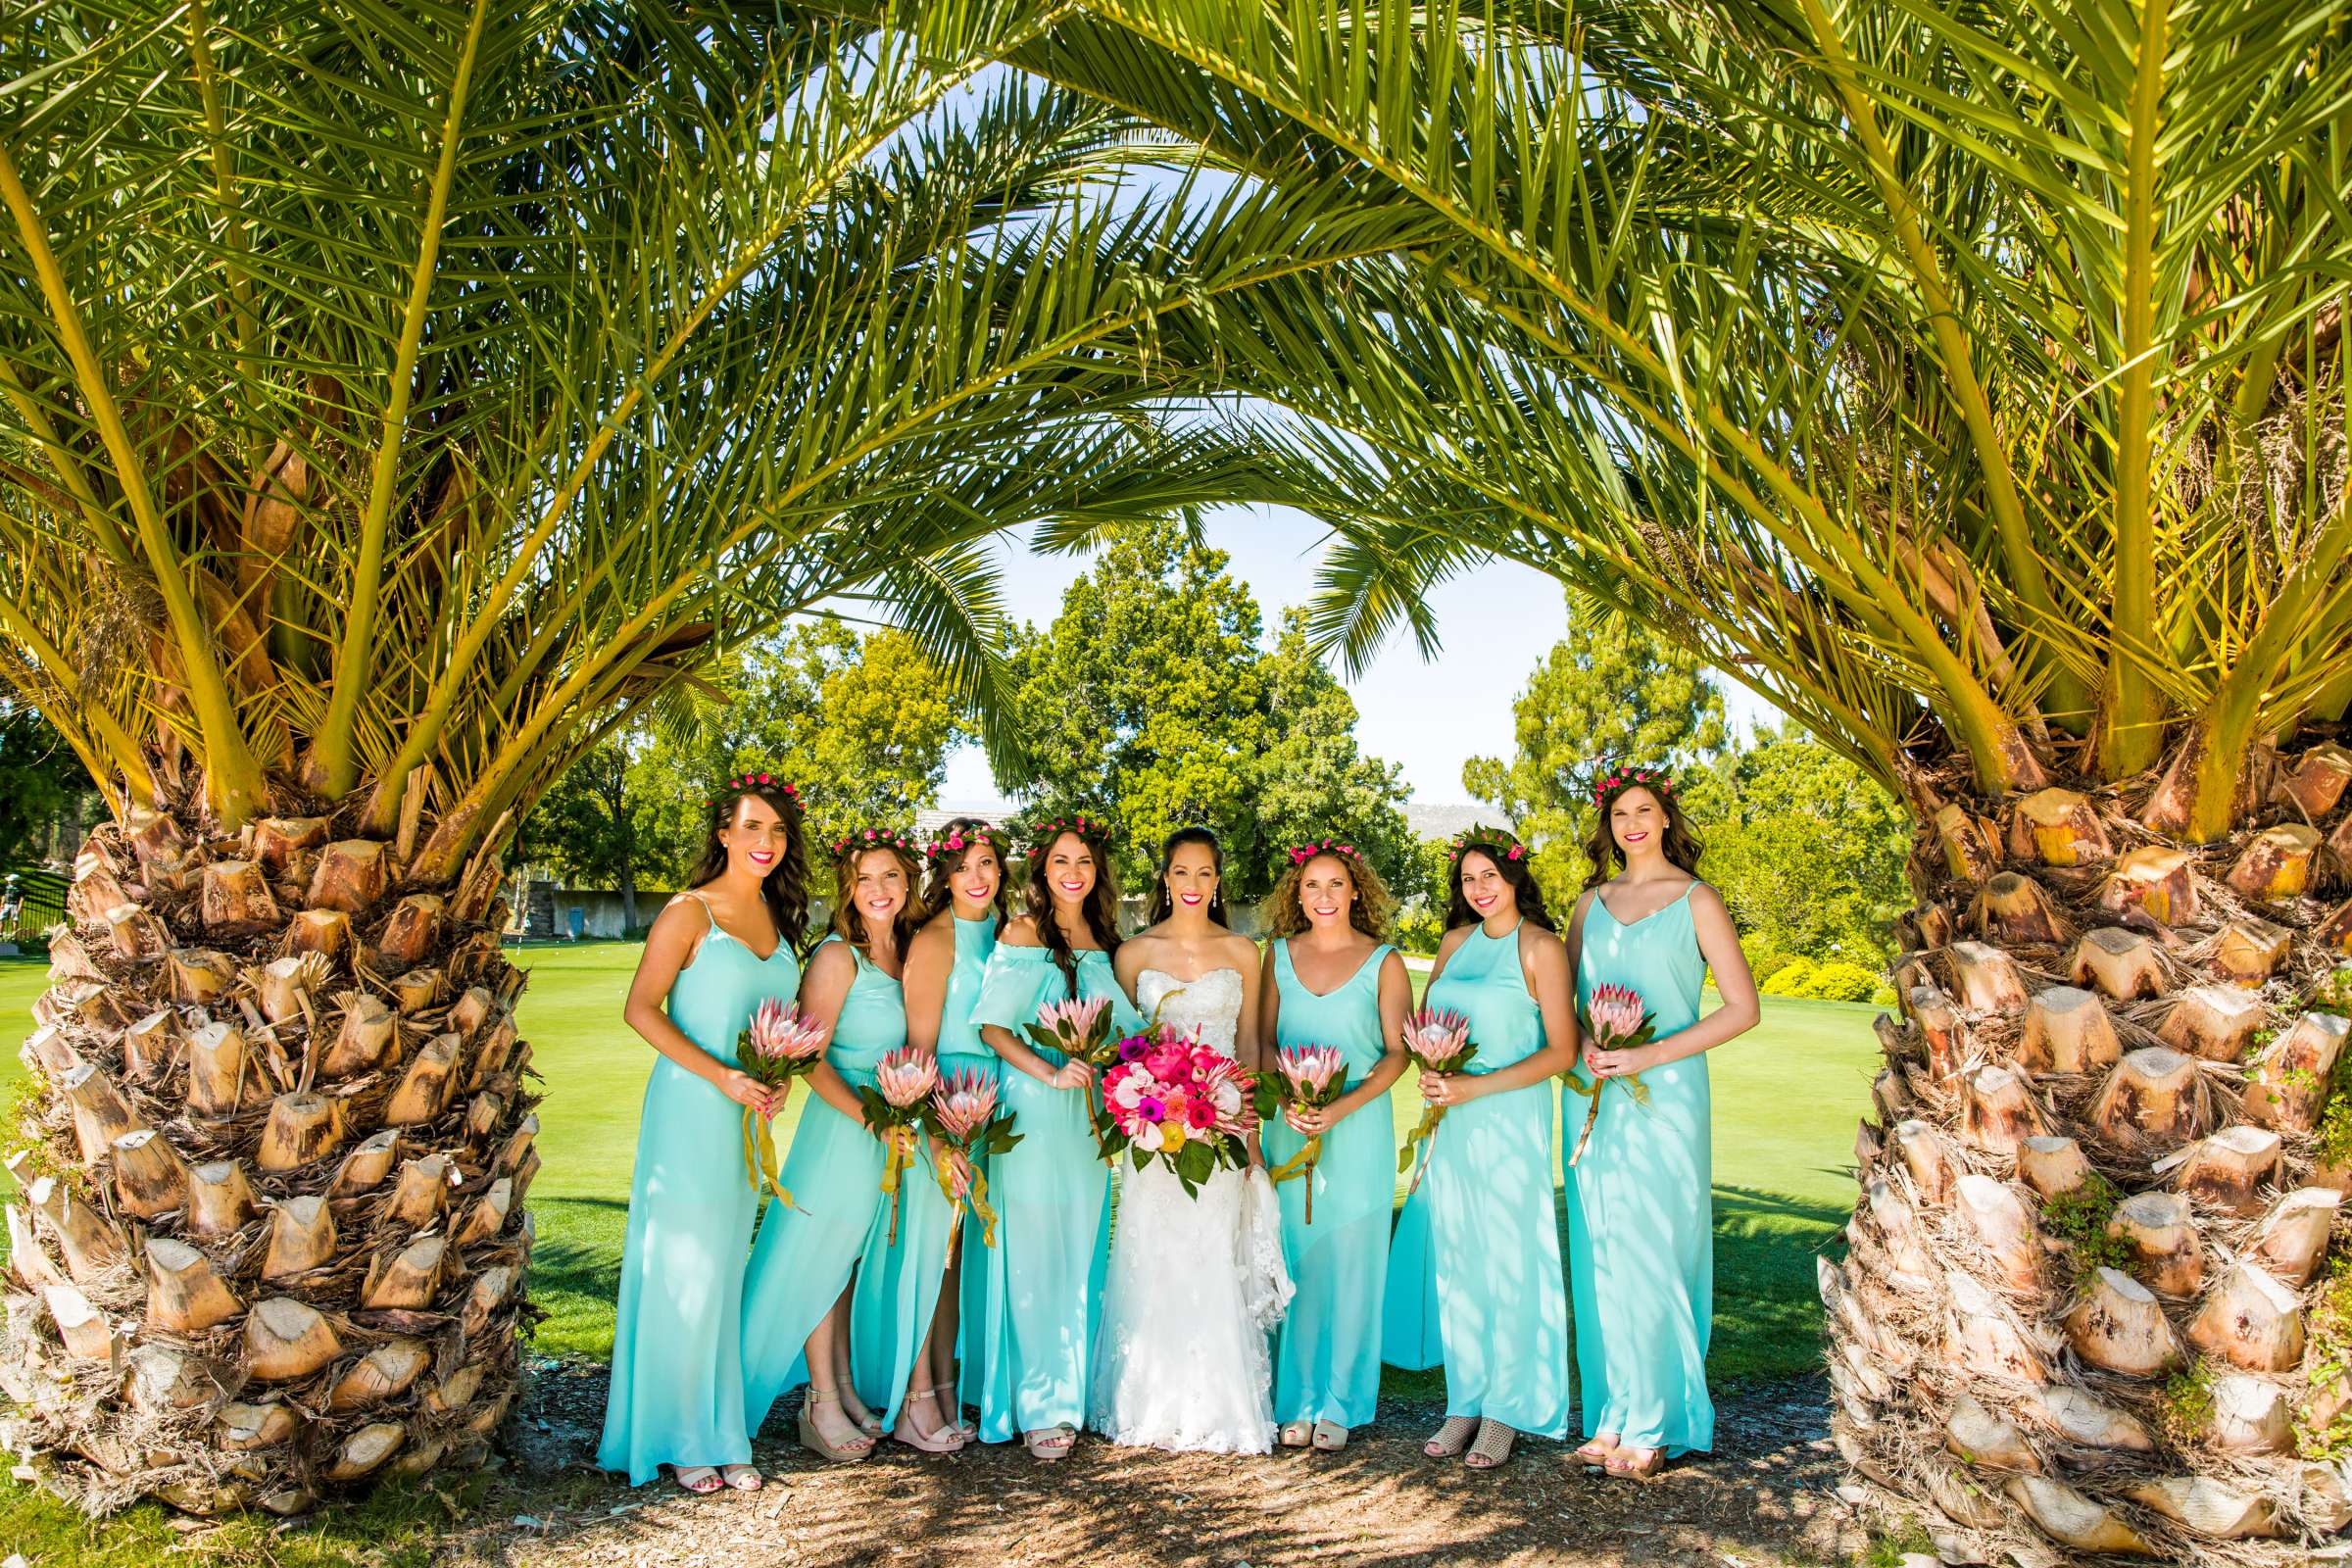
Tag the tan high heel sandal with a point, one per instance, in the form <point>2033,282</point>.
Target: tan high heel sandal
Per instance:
<point>1452,1437</point>
<point>1643,1469</point>
<point>1294,1435</point>
<point>1047,1444</point>
<point>1329,1436</point>
<point>1493,1447</point>
<point>815,1442</point>
<point>946,1439</point>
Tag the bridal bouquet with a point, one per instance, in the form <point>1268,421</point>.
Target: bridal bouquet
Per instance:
<point>963,1115</point>
<point>1617,1021</point>
<point>1438,1042</point>
<point>894,1107</point>
<point>1308,1077</point>
<point>1175,1100</point>
<point>776,1047</point>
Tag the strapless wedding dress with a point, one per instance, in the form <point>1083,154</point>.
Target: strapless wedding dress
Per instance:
<point>1196,1284</point>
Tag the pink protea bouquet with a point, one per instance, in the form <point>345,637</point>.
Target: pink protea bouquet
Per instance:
<point>1308,1077</point>
<point>1617,1020</point>
<point>1438,1042</point>
<point>779,1043</point>
<point>894,1107</point>
<point>963,1115</point>
<point>1080,1029</point>
<point>1169,1098</point>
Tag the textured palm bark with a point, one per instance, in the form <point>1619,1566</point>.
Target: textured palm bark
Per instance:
<point>270,1238</point>
<point>2096,1298</point>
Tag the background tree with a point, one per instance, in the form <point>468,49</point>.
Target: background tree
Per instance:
<point>1150,698</point>
<point>39,779</point>
<point>1807,850</point>
<point>1611,690</point>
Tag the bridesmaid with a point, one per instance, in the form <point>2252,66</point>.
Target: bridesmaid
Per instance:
<point>715,953</point>
<point>796,1305</point>
<point>1332,979</point>
<point>1641,1225</point>
<point>1045,1279</point>
<point>1494,1242</point>
<point>903,1317</point>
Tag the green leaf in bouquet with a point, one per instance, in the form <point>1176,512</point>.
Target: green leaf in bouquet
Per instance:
<point>1141,1156</point>
<point>1197,1160</point>
<point>877,1109</point>
<point>1042,1037</point>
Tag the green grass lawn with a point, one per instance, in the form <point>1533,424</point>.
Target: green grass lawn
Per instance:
<point>1785,1101</point>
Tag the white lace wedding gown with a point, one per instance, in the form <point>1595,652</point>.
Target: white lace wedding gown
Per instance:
<point>1196,1284</point>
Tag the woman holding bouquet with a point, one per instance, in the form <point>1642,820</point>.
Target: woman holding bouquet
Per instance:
<point>1640,1223</point>
<point>1332,979</point>
<point>796,1308</point>
<point>1044,1290</point>
<point>1493,1246</point>
<point>714,954</point>
<point>904,1314</point>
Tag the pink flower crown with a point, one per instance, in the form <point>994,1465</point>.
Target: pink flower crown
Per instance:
<point>1043,834</point>
<point>948,845</point>
<point>860,839</point>
<point>1622,777</point>
<point>1491,841</point>
<point>745,783</point>
<point>1300,853</point>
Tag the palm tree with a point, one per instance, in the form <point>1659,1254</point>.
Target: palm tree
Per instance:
<point>395,398</point>
<point>1970,382</point>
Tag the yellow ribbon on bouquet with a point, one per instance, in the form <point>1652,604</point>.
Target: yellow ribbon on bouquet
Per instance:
<point>1634,1086</point>
<point>759,1166</point>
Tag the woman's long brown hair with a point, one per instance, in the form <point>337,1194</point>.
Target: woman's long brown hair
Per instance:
<point>785,889</point>
<point>1101,907</point>
<point>939,892</point>
<point>1681,845</point>
<point>1510,858</point>
<point>849,924</point>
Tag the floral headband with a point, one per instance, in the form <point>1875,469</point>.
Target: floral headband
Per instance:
<point>1492,841</point>
<point>1300,853</point>
<point>746,783</point>
<point>1620,777</point>
<point>1043,834</point>
<point>949,846</point>
<point>860,840</point>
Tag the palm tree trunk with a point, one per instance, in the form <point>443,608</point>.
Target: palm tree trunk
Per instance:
<point>277,1077</point>
<point>2087,1298</point>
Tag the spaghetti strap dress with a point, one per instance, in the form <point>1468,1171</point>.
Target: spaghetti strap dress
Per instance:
<point>897,1282</point>
<point>677,1396</point>
<point>1640,1211</point>
<point>1327,1358</point>
<point>1043,1286</point>
<point>1493,1235</point>
<point>808,1250</point>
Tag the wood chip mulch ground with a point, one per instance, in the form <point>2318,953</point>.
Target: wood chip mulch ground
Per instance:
<point>1767,1496</point>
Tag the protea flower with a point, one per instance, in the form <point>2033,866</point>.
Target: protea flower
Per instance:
<point>963,1113</point>
<point>1310,1076</point>
<point>1438,1042</point>
<point>1078,1028</point>
<point>1617,1020</point>
<point>779,1043</point>
<point>903,1085</point>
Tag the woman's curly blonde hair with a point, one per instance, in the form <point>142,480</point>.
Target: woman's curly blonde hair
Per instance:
<point>1372,911</point>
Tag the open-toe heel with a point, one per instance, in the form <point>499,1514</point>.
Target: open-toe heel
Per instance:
<point>1644,1468</point>
<point>1595,1455</point>
<point>1329,1436</point>
<point>699,1479</point>
<point>825,1447</point>
<point>1493,1445</point>
<point>1452,1437</point>
<point>909,1430</point>
<point>741,1476</point>
<point>1294,1435</point>
<point>1049,1444</point>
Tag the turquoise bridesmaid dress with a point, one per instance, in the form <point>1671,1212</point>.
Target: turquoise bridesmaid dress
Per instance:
<point>1640,1220</point>
<point>678,1380</point>
<point>805,1252</point>
<point>1044,1287</point>
<point>898,1285</point>
<point>1409,1329</point>
<point>1493,1241</point>
<point>1327,1359</point>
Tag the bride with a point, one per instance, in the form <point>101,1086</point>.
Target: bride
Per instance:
<point>1196,1284</point>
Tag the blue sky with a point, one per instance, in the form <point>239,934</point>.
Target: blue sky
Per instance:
<point>1428,716</point>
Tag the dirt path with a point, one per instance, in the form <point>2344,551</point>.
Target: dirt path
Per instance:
<point>1766,1497</point>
